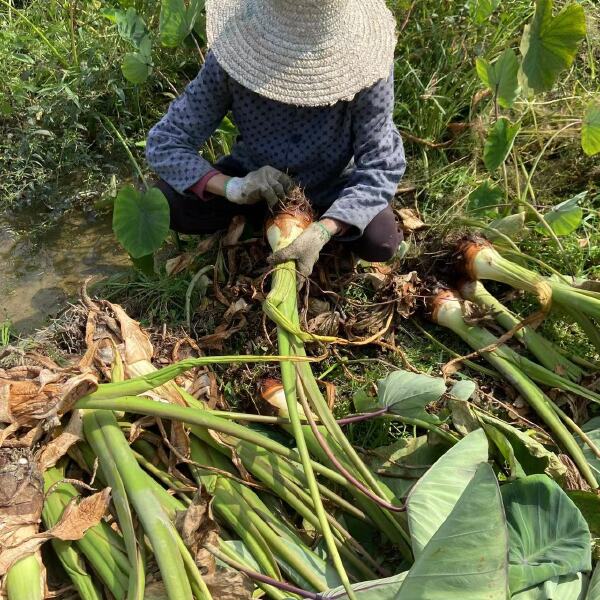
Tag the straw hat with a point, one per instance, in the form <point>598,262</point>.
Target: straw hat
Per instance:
<point>302,52</point>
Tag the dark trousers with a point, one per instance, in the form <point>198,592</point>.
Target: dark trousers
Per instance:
<point>189,214</point>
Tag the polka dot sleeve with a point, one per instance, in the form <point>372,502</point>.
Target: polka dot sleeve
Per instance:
<point>379,160</point>
<point>173,143</point>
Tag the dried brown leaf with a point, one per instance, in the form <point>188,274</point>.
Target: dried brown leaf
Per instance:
<point>227,584</point>
<point>198,527</point>
<point>137,344</point>
<point>53,451</point>
<point>410,220</point>
<point>179,263</point>
<point>78,517</point>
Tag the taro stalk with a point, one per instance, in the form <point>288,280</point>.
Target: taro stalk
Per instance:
<point>479,260</point>
<point>324,447</point>
<point>300,384</point>
<point>539,374</point>
<point>272,472</point>
<point>446,310</point>
<point>21,499</point>
<point>101,545</point>
<point>543,349</point>
<point>282,302</point>
<point>119,466</point>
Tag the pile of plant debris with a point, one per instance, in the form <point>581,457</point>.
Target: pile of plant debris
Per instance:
<point>122,456</point>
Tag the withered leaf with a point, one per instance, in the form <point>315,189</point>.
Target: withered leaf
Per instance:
<point>410,220</point>
<point>227,584</point>
<point>78,517</point>
<point>53,451</point>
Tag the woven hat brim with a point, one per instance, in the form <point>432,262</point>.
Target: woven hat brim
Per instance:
<point>279,63</point>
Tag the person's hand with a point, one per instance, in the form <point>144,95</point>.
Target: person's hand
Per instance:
<point>266,183</point>
<point>305,249</point>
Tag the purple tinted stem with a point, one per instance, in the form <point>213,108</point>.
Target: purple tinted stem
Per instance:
<point>363,417</point>
<point>336,463</point>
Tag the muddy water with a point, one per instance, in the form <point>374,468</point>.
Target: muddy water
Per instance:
<point>39,271</point>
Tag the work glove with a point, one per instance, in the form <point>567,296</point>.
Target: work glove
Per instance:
<point>305,249</point>
<point>266,183</point>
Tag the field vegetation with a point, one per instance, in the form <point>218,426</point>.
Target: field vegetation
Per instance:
<point>424,429</point>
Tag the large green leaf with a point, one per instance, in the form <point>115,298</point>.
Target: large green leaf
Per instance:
<point>533,457</point>
<point>550,44</point>
<point>484,200</point>
<point>548,536</point>
<point>502,77</point>
<point>407,394</point>
<point>130,25</point>
<point>402,462</point>
<point>481,10</point>
<point>511,226</point>
<point>467,556</point>
<point>566,217</point>
<point>589,505</point>
<point>593,592</point>
<point>136,67</point>
<point>436,493</point>
<point>499,143</point>
<point>568,587</point>
<point>463,389</point>
<point>590,131</point>
<point>141,220</point>
<point>592,428</point>
<point>177,20</point>
<point>379,589</point>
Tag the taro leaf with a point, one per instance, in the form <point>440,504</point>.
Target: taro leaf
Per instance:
<point>363,402</point>
<point>499,143</point>
<point>379,589</point>
<point>566,217</point>
<point>463,418</point>
<point>144,264</point>
<point>243,555</point>
<point>548,536</point>
<point>550,44</point>
<point>130,25</point>
<point>481,10</point>
<point>407,394</point>
<point>589,505</point>
<point>568,587</point>
<point>505,449</point>
<point>141,220</point>
<point>436,493</point>
<point>512,226</point>
<point>177,21</point>
<point>485,199</point>
<point>401,463</point>
<point>136,67</point>
<point>590,131</point>
<point>530,454</point>
<point>592,428</point>
<point>501,77</point>
<point>463,389</point>
<point>593,592</point>
<point>467,556</point>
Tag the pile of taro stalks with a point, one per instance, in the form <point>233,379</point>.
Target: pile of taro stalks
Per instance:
<point>143,491</point>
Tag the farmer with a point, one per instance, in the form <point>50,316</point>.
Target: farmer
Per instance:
<point>310,88</point>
